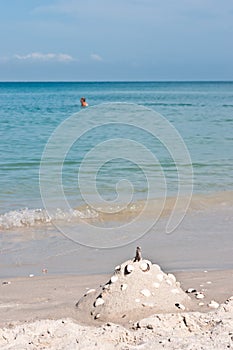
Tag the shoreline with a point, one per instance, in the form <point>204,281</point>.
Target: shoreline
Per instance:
<point>28,218</point>
<point>203,240</point>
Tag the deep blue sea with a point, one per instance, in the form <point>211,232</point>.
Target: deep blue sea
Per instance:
<point>200,112</point>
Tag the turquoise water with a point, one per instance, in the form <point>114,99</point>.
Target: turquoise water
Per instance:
<point>202,113</point>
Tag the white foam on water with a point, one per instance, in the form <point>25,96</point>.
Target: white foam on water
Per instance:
<point>201,203</point>
<point>32,217</point>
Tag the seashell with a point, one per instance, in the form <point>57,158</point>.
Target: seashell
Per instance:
<point>124,286</point>
<point>213,304</point>
<point>191,290</point>
<point>180,306</point>
<point>99,301</point>
<point>199,296</point>
<point>113,279</point>
<point>209,282</point>
<point>145,292</point>
<point>137,300</point>
<point>160,277</point>
<point>144,266</point>
<point>90,291</point>
<point>97,316</point>
<point>228,300</point>
<point>171,277</point>
<point>106,286</point>
<point>201,304</point>
<point>175,291</point>
<point>128,269</point>
<point>156,284</point>
<point>118,268</point>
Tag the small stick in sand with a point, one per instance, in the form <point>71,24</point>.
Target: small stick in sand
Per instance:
<point>138,256</point>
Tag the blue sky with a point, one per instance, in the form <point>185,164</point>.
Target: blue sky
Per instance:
<point>103,40</point>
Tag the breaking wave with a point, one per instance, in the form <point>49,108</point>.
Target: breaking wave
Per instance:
<point>35,217</point>
<point>32,217</point>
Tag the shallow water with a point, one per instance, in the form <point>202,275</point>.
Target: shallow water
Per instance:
<point>202,241</point>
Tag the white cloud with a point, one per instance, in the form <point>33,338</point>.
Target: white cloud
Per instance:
<point>96,57</point>
<point>38,56</point>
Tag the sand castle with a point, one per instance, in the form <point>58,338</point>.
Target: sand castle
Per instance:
<point>140,307</point>
<point>137,287</point>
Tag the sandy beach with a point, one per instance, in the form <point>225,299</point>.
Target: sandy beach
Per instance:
<point>116,175</point>
<point>69,277</point>
<point>40,313</point>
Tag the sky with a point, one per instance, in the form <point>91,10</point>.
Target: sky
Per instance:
<point>116,40</point>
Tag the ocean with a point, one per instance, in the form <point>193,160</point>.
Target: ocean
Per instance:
<point>84,181</point>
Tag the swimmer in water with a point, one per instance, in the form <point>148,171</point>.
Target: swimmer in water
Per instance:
<point>83,102</point>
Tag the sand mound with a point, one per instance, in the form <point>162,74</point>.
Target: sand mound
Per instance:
<point>136,289</point>
<point>176,331</point>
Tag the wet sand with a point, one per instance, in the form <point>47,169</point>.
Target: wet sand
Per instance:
<point>202,241</point>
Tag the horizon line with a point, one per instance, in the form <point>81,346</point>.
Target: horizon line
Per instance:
<point>116,81</point>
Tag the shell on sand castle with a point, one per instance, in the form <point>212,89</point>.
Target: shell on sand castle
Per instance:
<point>180,306</point>
<point>145,265</point>
<point>134,290</point>
<point>191,290</point>
<point>98,302</point>
<point>129,268</point>
<point>113,279</point>
<point>117,268</point>
<point>199,296</point>
<point>106,286</point>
